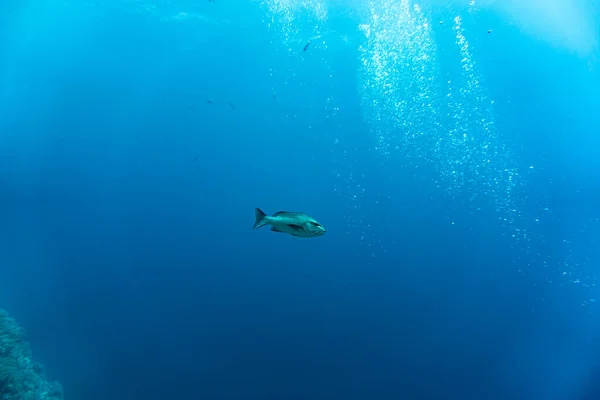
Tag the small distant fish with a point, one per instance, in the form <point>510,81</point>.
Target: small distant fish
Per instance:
<point>232,106</point>
<point>209,102</point>
<point>293,223</point>
<point>275,97</point>
<point>306,46</point>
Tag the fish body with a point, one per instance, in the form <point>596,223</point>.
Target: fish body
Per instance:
<point>293,223</point>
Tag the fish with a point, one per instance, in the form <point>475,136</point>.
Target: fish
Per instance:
<point>293,223</point>
<point>306,46</point>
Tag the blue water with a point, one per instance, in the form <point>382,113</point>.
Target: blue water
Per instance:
<point>459,185</point>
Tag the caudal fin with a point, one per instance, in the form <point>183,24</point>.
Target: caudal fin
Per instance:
<point>261,218</point>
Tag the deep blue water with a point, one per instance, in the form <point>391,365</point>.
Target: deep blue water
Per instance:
<point>127,200</point>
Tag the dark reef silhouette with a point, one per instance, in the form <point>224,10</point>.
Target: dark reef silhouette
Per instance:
<point>21,378</point>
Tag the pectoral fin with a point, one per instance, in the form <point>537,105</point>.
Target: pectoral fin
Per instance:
<point>297,228</point>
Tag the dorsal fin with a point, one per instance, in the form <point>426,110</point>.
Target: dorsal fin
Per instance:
<point>280,212</point>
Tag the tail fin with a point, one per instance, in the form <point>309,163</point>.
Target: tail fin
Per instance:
<point>261,218</point>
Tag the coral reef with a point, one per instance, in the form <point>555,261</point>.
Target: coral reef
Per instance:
<point>21,378</point>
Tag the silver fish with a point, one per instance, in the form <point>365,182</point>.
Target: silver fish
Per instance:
<point>292,223</point>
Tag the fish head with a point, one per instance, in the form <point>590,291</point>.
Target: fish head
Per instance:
<point>313,228</point>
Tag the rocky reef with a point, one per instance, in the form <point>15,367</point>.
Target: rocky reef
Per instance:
<point>21,378</point>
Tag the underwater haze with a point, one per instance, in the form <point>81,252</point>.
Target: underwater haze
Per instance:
<point>451,150</point>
